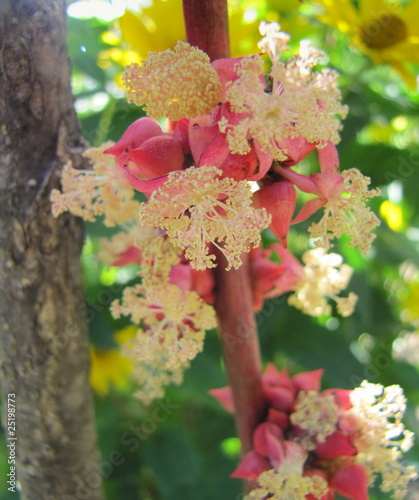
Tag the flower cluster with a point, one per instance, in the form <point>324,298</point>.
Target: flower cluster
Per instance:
<point>172,315</point>
<point>173,328</point>
<point>229,125</point>
<point>100,191</point>
<point>198,207</point>
<point>232,124</point>
<point>178,83</point>
<point>301,102</point>
<point>322,277</point>
<point>314,444</point>
<point>342,210</point>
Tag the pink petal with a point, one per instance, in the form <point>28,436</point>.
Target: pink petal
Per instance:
<point>297,148</point>
<point>303,182</point>
<point>308,381</point>
<point>350,481</point>
<point>181,276</point>
<point>203,282</point>
<point>157,156</point>
<point>279,398</point>
<point>275,449</point>
<point>251,466</point>
<point>329,159</point>
<point>279,418</point>
<point>226,72</point>
<point>262,436</point>
<point>202,131</point>
<point>286,256</point>
<point>224,397</point>
<point>308,209</point>
<point>240,167</point>
<point>144,186</point>
<point>348,422</point>
<point>264,276</point>
<point>180,132</point>
<point>342,397</point>
<point>138,132</point>
<point>264,160</point>
<point>336,445</point>
<point>131,255</point>
<point>279,199</point>
<point>272,376</point>
<point>216,152</point>
<point>329,186</point>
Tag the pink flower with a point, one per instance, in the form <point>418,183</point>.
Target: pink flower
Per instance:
<point>343,196</point>
<point>270,279</point>
<point>210,147</point>
<point>187,278</point>
<point>302,429</point>
<point>319,444</point>
<point>146,154</point>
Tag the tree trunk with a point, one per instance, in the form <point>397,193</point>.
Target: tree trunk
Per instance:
<point>44,358</point>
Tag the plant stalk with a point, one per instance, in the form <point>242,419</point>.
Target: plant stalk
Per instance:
<point>207,28</point>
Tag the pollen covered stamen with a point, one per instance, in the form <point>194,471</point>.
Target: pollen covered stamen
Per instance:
<point>317,415</point>
<point>178,83</point>
<point>173,324</point>
<point>324,276</point>
<point>347,212</point>
<point>302,102</point>
<point>382,438</point>
<point>196,207</point>
<point>102,191</point>
<point>288,486</point>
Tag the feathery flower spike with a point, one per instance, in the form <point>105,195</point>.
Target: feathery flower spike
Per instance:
<point>324,276</point>
<point>302,102</point>
<point>173,328</point>
<point>346,212</point>
<point>382,438</point>
<point>178,83</point>
<point>196,207</point>
<point>100,191</point>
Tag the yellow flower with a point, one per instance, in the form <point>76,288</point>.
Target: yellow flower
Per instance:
<point>393,215</point>
<point>108,367</point>
<point>155,28</point>
<point>160,26</point>
<point>409,303</point>
<point>385,31</point>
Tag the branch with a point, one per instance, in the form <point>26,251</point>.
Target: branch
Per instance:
<point>239,338</point>
<point>207,28</point>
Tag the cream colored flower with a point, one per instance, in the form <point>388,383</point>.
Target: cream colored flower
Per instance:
<point>197,207</point>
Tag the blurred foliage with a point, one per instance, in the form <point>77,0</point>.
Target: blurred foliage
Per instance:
<point>184,447</point>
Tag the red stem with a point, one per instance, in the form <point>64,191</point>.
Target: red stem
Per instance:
<point>207,28</point>
<point>239,338</point>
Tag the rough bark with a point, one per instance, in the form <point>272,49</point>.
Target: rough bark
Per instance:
<point>43,347</point>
